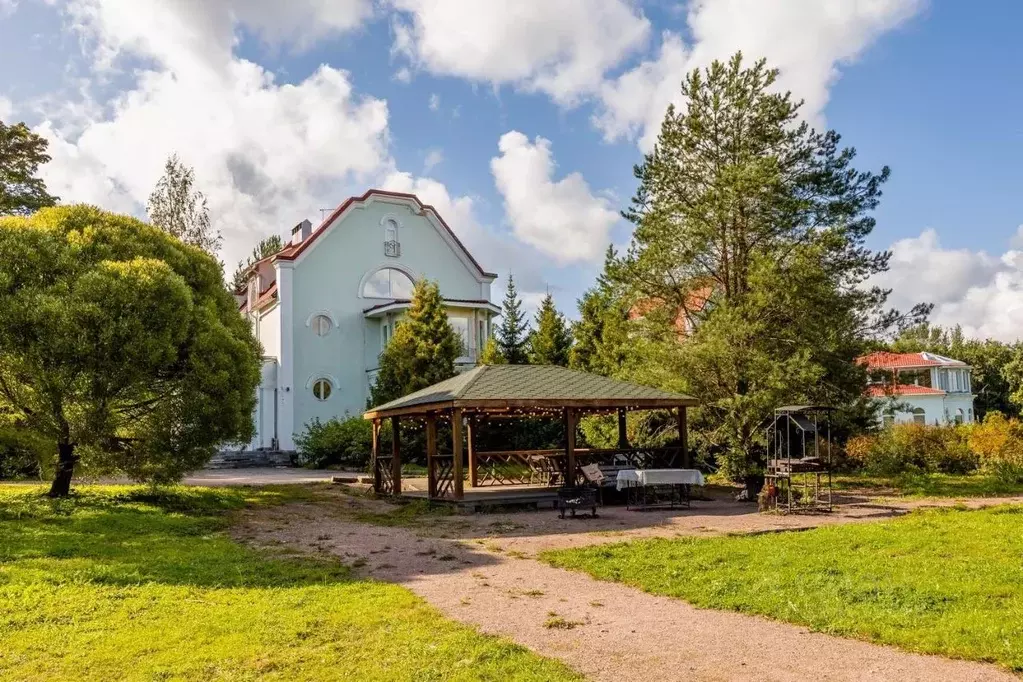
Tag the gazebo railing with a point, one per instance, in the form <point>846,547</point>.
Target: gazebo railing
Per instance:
<point>383,474</point>
<point>442,476</point>
<point>547,467</point>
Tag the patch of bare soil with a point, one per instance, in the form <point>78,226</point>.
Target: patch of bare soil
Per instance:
<point>479,573</point>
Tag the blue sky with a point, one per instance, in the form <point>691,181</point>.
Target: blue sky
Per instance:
<point>286,110</point>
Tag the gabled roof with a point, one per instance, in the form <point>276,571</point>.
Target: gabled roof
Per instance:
<point>293,251</point>
<point>884,360</point>
<point>498,386</point>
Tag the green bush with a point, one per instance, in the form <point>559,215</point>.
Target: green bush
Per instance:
<point>21,453</point>
<point>335,442</point>
<point>914,448</point>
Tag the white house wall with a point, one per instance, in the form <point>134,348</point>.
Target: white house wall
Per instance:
<point>326,278</point>
<point>269,332</point>
<point>938,409</point>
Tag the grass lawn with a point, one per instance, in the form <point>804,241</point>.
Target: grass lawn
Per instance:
<point>123,583</point>
<point>938,581</point>
<point>930,485</point>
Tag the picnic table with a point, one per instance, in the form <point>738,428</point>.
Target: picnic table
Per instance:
<point>650,488</point>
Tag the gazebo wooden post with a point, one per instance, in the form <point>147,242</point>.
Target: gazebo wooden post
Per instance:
<point>375,454</point>
<point>396,454</point>
<point>470,431</point>
<point>683,436</point>
<point>456,450</point>
<point>569,446</point>
<point>431,454</point>
<point>623,434</point>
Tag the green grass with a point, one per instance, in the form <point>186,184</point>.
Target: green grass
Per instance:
<point>938,581</point>
<point>128,583</point>
<point>930,485</point>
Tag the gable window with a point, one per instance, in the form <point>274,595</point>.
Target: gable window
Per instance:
<point>388,283</point>
<point>322,389</point>
<point>321,325</point>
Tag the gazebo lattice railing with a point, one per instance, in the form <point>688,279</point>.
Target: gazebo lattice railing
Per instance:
<point>519,391</point>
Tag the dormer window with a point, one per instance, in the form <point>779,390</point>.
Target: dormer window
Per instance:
<point>392,247</point>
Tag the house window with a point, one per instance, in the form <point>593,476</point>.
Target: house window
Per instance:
<point>321,389</point>
<point>388,283</point>
<point>919,415</point>
<point>391,246</point>
<point>460,325</point>
<point>960,416</point>
<point>888,418</point>
<point>385,335</point>
<point>321,325</point>
<point>482,340</point>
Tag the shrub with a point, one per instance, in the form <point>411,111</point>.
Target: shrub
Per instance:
<point>21,453</point>
<point>335,442</point>
<point>998,443</point>
<point>914,448</point>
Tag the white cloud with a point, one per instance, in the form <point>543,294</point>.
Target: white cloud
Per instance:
<point>562,219</point>
<point>981,292</point>
<point>806,39</point>
<point>434,102</point>
<point>560,47</point>
<point>186,34</point>
<point>434,157</point>
<point>6,109</point>
<point>403,75</point>
<point>265,154</point>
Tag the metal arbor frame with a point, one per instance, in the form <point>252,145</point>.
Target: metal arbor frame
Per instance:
<point>798,468</point>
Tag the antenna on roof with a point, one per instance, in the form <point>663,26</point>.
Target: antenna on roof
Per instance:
<point>324,212</point>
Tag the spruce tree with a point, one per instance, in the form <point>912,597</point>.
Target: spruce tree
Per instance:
<point>601,335</point>
<point>551,342</point>
<point>267,246</point>
<point>422,350</point>
<point>511,335</point>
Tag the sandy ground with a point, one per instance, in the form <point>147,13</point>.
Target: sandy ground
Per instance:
<point>256,476</point>
<point>477,569</point>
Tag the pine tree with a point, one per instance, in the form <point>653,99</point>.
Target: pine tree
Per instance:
<point>511,335</point>
<point>602,332</point>
<point>742,198</point>
<point>179,209</point>
<point>551,342</point>
<point>491,354</point>
<point>422,350</point>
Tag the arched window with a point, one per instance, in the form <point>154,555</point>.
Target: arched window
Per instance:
<point>388,283</point>
<point>321,325</point>
<point>390,230</point>
<point>919,415</point>
<point>888,418</point>
<point>322,389</point>
<point>960,416</point>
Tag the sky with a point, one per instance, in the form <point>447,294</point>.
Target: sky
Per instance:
<point>520,122</point>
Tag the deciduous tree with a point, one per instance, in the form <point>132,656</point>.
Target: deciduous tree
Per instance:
<point>422,350</point>
<point>21,153</point>
<point>178,208</point>
<point>119,344</point>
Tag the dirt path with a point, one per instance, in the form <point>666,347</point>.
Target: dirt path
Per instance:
<point>604,630</point>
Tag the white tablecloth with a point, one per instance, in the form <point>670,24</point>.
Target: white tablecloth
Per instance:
<point>640,477</point>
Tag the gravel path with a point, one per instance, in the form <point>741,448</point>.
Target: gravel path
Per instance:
<point>604,630</point>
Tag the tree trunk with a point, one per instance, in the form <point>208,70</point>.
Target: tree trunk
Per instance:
<point>66,459</point>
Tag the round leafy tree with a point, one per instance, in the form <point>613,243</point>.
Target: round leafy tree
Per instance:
<point>120,345</point>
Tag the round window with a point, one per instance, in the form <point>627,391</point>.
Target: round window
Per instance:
<point>322,325</point>
<point>321,389</point>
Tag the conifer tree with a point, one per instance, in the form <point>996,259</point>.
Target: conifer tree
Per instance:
<point>491,354</point>
<point>551,342</point>
<point>511,335</point>
<point>600,336</point>
<point>422,350</point>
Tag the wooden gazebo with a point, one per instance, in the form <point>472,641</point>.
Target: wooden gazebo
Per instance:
<point>519,391</point>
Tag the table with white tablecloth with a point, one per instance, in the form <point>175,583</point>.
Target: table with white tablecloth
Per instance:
<point>647,488</point>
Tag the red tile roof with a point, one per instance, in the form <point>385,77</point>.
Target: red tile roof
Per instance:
<point>881,390</point>
<point>884,360</point>
<point>266,296</point>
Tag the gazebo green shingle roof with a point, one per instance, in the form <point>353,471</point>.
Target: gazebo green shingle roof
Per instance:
<point>497,386</point>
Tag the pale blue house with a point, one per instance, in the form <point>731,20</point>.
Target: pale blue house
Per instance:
<point>326,305</point>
